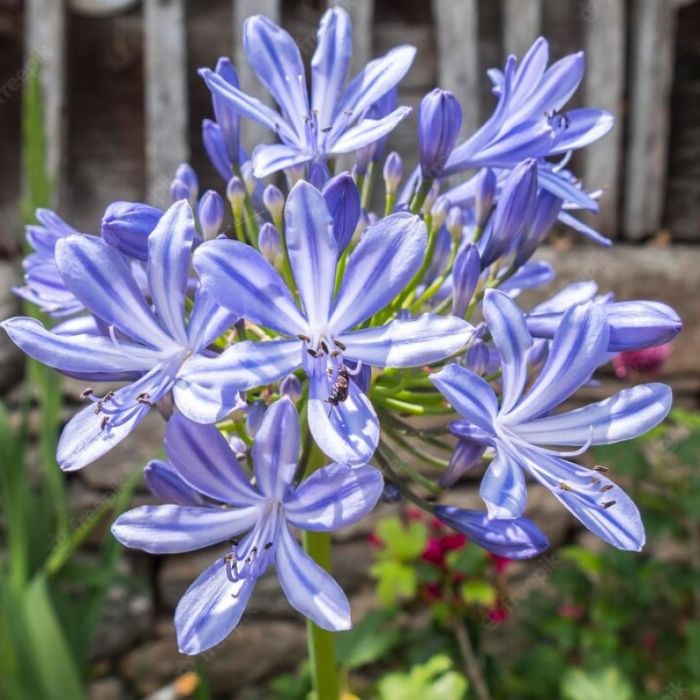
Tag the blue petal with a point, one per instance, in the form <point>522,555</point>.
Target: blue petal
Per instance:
<point>530,70</point>
<point>169,251</point>
<point>517,538</point>
<point>203,458</point>
<point>309,589</point>
<point>624,416</point>
<point>228,119</point>
<point>503,488</point>
<point>313,251</point>
<point>574,293</point>
<point>99,276</point>
<point>561,185</point>
<point>349,432</point>
<point>215,147</point>
<point>127,225</point>
<point>172,529</point>
<point>584,126</point>
<point>641,324</point>
<point>249,107</point>
<point>330,63</point>
<point>207,389</point>
<point>276,60</point>
<point>408,343</point>
<point>211,607</point>
<point>367,132</point>
<point>590,233</point>
<point>585,493</point>
<point>343,202</point>
<point>467,454</point>
<point>334,497</point>
<point>276,449</point>
<point>271,158</point>
<point>166,484</point>
<point>386,258</point>
<point>82,353</point>
<point>241,280</point>
<point>469,394</point>
<point>579,347</point>
<point>208,320</point>
<point>374,81</point>
<point>506,324</point>
<point>531,275</point>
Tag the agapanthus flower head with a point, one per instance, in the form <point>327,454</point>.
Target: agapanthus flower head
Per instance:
<point>527,436</point>
<point>147,341</point>
<point>323,333</point>
<point>330,121</point>
<point>254,522</point>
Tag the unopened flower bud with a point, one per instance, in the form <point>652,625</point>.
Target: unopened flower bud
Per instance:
<point>236,193</point>
<point>249,178</point>
<point>269,242</point>
<point>185,174</point>
<point>390,493</point>
<point>430,198</point>
<point>455,223</point>
<point>319,175</point>
<point>273,199</point>
<point>343,201</point>
<point>362,223</point>
<point>296,173</point>
<point>439,211</point>
<point>179,190</point>
<point>290,387</point>
<point>393,172</point>
<point>465,277</point>
<point>485,195</point>
<point>238,447</point>
<point>210,214</point>
<point>466,455</point>
<point>228,118</point>
<point>254,417</point>
<point>126,226</point>
<point>439,122</point>
<point>478,357</point>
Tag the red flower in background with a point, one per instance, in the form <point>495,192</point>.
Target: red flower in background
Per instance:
<point>648,361</point>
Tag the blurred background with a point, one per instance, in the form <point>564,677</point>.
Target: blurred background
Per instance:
<point>99,100</point>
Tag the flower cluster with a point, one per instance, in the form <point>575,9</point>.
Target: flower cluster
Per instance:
<point>314,326</point>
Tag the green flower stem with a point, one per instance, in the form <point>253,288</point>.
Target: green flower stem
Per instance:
<point>420,195</point>
<point>366,191</point>
<point>250,220</point>
<point>441,464</point>
<point>412,409</point>
<point>321,643</point>
<point>406,492</point>
<point>238,224</point>
<point>435,287</point>
<point>389,203</point>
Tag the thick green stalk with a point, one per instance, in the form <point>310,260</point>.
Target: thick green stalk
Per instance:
<point>321,643</point>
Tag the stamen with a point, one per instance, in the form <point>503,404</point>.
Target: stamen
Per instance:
<point>324,346</point>
<point>87,393</point>
<point>608,504</point>
<point>600,468</point>
<point>104,423</point>
<point>340,345</point>
<point>607,487</point>
<point>304,338</point>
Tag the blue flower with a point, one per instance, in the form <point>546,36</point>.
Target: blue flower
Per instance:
<point>439,122</point>
<point>523,429</point>
<point>334,121</point>
<point>332,497</point>
<point>146,343</point>
<point>319,335</point>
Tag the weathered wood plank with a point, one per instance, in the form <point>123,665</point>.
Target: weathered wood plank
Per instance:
<point>362,16</point>
<point>165,93</point>
<point>457,33</point>
<point>653,39</point>
<point>251,132</point>
<point>45,42</point>
<point>522,24</point>
<point>604,40</point>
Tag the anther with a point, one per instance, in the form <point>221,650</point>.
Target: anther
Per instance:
<point>336,353</point>
<point>304,338</point>
<point>312,352</point>
<point>324,346</point>
<point>607,487</point>
<point>340,345</point>
<point>608,504</point>
<point>104,423</point>
<point>98,407</point>
<point>600,468</point>
<point>108,396</point>
<point>564,486</point>
<point>594,480</point>
<point>268,545</point>
<point>87,393</point>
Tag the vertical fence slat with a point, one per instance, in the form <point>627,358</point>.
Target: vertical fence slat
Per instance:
<point>252,133</point>
<point>165,93</point>
<point>46,44</point>
<point>457,36</point>
<point>653,39</point>
<point>604,38</point>
<point>362,16</point>
<point>522,24</point>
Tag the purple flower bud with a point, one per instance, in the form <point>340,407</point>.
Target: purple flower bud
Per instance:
<point>479,358</point>
<point>227,118</point>
<point>343,201</point>
<point>273,199</point>
<point>465,277</point>
<point>185,173</point>
<point>236,193</point>
<point>319,175</point>
<point>393,172</point>
<point>455,223</point>
<point>547,208</point>
<point>210,213</point>
<point>214,145</point>
<point>390,494</point>
<point>485,195</point>
<point>438,213</point>
<point>249,179</point>
<point>179,190</point>
<point>269,242</point>
<point>513,211</point>
<point>254,417</point>
<point>384,106</point>
<point>126,225</point>
<point>238,447</point>
<point>295,173</point>
<point>467,454</point>
<point>439,122</point>
<point>516,538</point>
<point>290,387</point>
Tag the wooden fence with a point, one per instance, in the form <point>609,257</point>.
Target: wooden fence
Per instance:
<point>630,48</point>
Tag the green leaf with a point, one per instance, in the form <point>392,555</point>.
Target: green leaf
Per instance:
<point>468,560</point>
<point>590,563</point>
<point>476,592</point>
<point>433,680</point>
<point>395,581</point>
<point>369,641</point>
<point>404,542</point>
<point>609,684</point>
